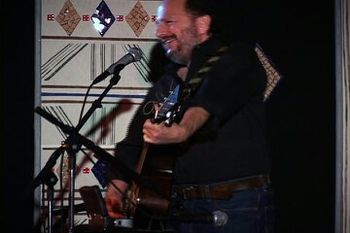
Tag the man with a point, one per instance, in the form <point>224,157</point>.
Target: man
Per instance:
<point>222,161</point>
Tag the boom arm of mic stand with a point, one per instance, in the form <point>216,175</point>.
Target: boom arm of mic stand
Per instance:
<point>74,141</point>
<point>78,139</point>
<point>46,175</point>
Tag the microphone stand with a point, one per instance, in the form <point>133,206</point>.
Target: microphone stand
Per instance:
<point>72,145</point>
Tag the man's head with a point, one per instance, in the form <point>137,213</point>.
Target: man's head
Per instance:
<point>181,25</point>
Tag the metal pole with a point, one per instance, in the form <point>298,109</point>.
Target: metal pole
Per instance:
<point>339,118</point>
<point>72,167</point>
<point>50,195</point>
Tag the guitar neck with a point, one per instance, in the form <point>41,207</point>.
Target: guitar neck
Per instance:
<point>142,158</point>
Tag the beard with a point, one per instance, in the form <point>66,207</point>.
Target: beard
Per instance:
<point>183,51</point>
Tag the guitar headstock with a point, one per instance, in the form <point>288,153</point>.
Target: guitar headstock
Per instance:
<point>169,109</point>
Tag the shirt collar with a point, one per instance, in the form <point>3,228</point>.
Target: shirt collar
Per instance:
<point>200,54</point>
<point>207,47</point>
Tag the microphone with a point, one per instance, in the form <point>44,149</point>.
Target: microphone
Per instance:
<point>217,218</point>
<point>134,54</point>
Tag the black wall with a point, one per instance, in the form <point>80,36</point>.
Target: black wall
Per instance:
<point>302,116</point>
<point>299,36</point>
<point>18,102</point>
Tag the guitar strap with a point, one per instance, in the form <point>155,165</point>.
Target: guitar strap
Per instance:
<point>198,78</point>
<point>273,75</point>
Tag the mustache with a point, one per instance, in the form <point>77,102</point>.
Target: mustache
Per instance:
<point>172,37</point>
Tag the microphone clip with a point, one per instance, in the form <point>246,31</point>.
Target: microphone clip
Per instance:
<point>134,54</point>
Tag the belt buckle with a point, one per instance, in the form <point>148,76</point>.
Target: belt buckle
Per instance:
<point>196,192</point>
<point>186,191</point>
<point>265,180</point>
<point>204,191</point>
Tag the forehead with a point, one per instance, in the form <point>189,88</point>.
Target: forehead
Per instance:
<point>172,8</point>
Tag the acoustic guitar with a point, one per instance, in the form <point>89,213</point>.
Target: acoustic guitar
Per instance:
<point>156,168</point>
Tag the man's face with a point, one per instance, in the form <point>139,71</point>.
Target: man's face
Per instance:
<point>177,31</point>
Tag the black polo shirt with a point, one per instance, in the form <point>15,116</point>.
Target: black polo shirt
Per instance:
<point>232,143</point>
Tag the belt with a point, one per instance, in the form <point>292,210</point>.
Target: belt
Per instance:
<point>222,190</point>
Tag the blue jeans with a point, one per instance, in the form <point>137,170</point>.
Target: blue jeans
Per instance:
<point>248,211</point>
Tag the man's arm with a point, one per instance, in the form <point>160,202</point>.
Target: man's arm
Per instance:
<point>192,120</point>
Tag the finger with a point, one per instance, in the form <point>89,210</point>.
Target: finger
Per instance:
<point>113,210</point>
<point>147,139</point>
<point>157,106</point>
<point>114,214</point>
<point>109,205</point>
<point>148,123</point>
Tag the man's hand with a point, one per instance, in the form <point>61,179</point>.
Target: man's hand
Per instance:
<point>114,198</point>
<point>193,119</point>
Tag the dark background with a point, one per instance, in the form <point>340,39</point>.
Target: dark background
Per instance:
<point>298,36</point>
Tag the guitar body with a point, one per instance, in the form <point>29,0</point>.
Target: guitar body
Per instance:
<point>151,201</point>
<point>157,172</point>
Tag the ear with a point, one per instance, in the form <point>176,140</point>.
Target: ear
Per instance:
<point>203,24</point>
